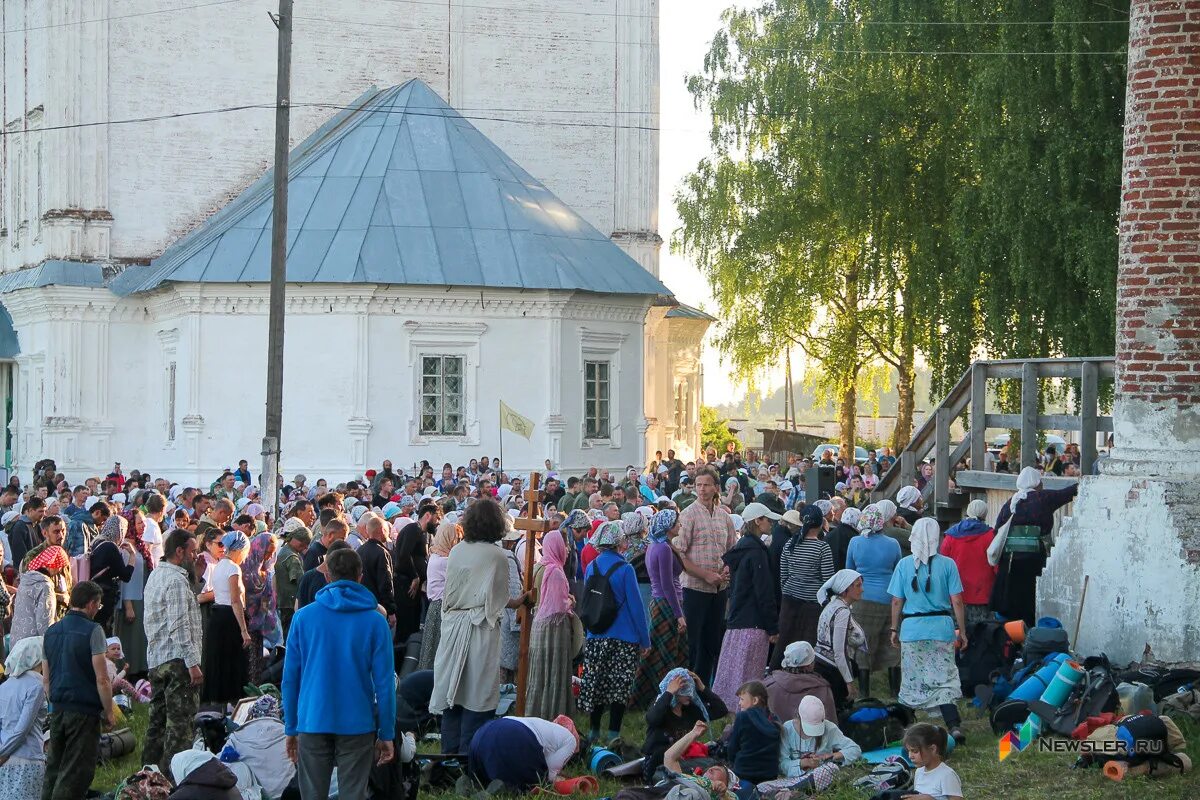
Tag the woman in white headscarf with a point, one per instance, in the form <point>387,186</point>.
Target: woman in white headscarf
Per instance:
<point>1013,594</point>
<point>909,501</point>
<point>874,554</point>
<point>22,707</point>
<point>928,618</point>
<point>839,636</point>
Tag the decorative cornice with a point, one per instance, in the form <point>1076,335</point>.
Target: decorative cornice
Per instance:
<point>358,426</point>
<point>192,423</point>
<point>411,302</point>
<point>440,328</point>
<point>591,338</point>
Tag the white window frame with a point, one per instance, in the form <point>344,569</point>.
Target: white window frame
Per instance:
<point>454,339</point>
<point>600,345</point>
<point>591,406</point>
<point>442,374</point>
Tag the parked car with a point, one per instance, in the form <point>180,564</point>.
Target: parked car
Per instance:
<point>860,453</point>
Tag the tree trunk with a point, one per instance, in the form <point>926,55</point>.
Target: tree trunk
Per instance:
<point>847,417</point>
<point>906,383</point>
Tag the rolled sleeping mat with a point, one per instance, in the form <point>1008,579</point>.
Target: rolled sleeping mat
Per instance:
<point>1035,685</point>
<point>1016,630</point>
<point>585,784</point>
<point>1067,677</point>
<point>600,759</point>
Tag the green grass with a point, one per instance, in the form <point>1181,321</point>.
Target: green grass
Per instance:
<point>110,774</point>
<point>1024,776</point>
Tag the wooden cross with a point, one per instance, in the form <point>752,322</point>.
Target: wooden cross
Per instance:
<point>532,524</point>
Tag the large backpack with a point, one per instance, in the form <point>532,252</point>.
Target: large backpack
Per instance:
<point>1165,682</point>
<point>1041,641</point>
<point>989,654</point>
<point>599,608</point>
<point>1094,695</point>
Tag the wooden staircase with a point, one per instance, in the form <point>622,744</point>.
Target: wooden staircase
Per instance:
<point>968,399</point>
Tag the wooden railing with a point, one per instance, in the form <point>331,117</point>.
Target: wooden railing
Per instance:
<point>970,395</point>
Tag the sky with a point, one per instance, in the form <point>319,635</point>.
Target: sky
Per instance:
<point>686,30</point>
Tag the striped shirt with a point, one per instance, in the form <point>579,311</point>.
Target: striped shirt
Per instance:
<point>804,567</point>
<point>705,536</point>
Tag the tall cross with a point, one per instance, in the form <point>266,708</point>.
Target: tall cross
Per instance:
<point>532,524</point>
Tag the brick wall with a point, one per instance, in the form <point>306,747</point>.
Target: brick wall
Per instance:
<point>1158,294</point>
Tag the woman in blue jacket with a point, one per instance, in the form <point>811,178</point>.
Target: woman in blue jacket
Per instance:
<point>611,656</point>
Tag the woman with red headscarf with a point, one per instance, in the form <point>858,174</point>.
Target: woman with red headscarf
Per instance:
<point>552,643</point>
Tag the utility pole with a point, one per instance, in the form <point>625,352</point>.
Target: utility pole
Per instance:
<point>274,426</point>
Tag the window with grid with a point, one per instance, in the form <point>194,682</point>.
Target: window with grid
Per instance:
<point>596,400</point>
<point>442,395</point>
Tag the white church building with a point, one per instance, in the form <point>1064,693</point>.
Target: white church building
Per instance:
<point>473,213</point>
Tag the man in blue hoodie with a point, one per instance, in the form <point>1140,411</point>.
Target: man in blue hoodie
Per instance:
<point>335,712</point>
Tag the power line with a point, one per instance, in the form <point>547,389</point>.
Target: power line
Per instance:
<point>897,23</point>
<point>537,37</point>
<point>122,16</point>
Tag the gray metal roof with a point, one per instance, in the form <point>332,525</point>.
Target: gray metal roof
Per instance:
<point>402,190</point>
<point>684,311</point>
<point>53,273</point>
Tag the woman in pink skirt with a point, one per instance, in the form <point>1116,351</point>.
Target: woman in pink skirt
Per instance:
<point>752,616</point>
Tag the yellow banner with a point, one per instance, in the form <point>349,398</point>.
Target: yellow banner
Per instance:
<point>512,421</point>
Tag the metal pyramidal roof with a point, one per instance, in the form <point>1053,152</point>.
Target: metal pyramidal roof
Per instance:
<point>402,190</point>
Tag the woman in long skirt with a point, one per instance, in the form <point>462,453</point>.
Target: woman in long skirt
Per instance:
<point>128,623</point>
<point>261,614</point>
<point>22,693</point>
<point>611,656</point>
<point>225,664</point>
<point>668,630</point>
<point>448,534</point>
<point>927,603</point>
<point>752,618</point>
<point>552,637</point>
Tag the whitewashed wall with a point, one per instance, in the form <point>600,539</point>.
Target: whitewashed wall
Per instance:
<point>93,388</point>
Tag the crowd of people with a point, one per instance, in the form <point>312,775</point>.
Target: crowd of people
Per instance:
<point>683,592</point>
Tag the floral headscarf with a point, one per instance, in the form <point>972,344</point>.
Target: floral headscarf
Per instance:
<point>871,520</point>
<point>633,526</point>
<point>577,519</point>
<point>114,530</point>
<point>662,524</point>
<point>608,535</point>
<point>260,589</point>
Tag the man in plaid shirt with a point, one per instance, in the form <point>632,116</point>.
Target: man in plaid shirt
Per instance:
<point>705,535</point>
<point>173,637</point>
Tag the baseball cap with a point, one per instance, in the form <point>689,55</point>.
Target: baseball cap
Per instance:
<point>812,716</point>
<point>792,517</point>
<point>755,510</point>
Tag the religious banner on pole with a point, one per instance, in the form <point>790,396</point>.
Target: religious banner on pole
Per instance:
<point>512,421</point>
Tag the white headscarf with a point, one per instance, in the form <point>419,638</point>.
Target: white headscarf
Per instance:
<point>924,540</point>
<point>840,582</point>
<point>977,509</point>
<point>908,496</point>
<point>888,509</point>
<point>851,516</point>
<point>1027,481</point>
<point>26,654</point>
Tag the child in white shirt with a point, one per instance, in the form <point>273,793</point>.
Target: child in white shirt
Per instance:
<point>934,780</point>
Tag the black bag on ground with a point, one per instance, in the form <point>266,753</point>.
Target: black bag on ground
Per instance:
<point>880,732</point>
<point>990,653</point>
<point>394,780</point>
<point>599,608</point>
<point>1040,642</point>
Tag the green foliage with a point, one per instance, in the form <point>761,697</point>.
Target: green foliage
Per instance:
<point>877,190</point>
<point>714,431</point>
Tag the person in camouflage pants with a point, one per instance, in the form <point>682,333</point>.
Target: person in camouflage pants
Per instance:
<point>173,708</point>
<point>173,636</point>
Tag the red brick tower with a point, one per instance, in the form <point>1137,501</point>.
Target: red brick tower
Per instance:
<point>1136,529</point>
